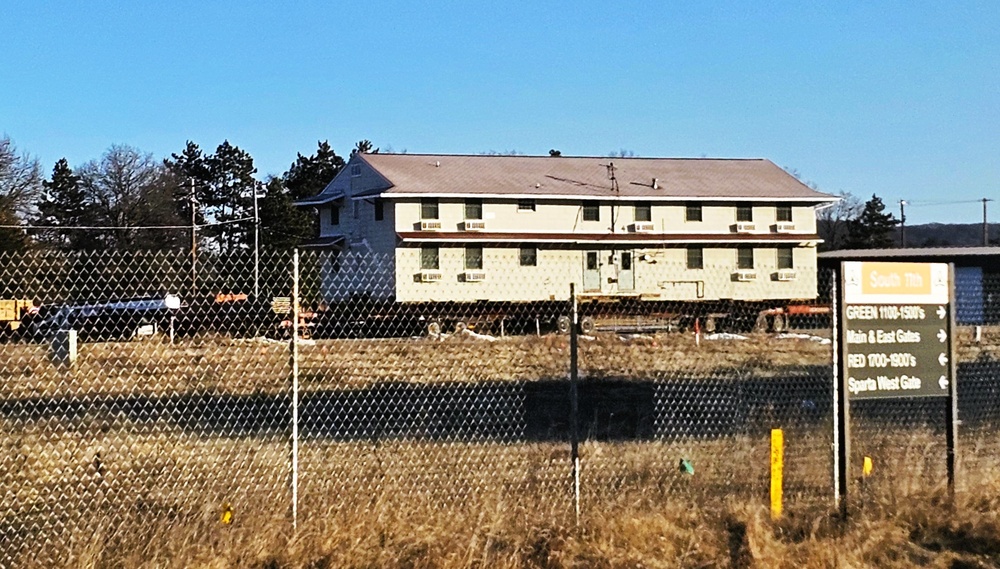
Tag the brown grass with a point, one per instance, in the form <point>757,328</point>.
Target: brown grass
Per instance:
<point>157,500</point>
<point>103,494</point>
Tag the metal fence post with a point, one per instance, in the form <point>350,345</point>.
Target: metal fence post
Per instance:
<point>294,349</point>
<point>574,431</point>
<point>951,413</point>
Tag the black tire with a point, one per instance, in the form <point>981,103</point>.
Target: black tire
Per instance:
<point>710,325</point>
<point>563,324</point>
<point>461,326</point>
<point>587,325</point>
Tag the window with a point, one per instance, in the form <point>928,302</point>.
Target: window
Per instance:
<point>527,204</point>
<point>379,209</point>
<point>785,258</point>
<point>335,215</point>
<point>591,212</point>
<point>692,212</point>
<point>428,208</point>
<point>592,261</point>
<point>429,258</point>
<point>643,212</point>
<point>744,213</point>
<point>783,213</point>
<point>357,209</point>
<point>696,258</point>
<point>473,209</point>
<point>626,261</point>
<point>529,256</point>
<point>356,170</point>
<point>744,258</point>
<point>473,257</point>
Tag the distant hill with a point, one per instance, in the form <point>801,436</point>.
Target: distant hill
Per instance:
<point>949,235</point>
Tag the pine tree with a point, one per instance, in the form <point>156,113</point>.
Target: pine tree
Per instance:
<point>229,197</point>
<point>873,229</point>
<point>283,226</point>
<point>64,204</point>
<point>190,168</point>
<point>309,175</point>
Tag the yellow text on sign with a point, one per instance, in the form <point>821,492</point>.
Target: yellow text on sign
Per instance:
<point>895,278</point>
<point>777,470</point>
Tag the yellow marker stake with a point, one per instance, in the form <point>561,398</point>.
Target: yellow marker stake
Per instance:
<point>777,470</point>
<point>867,468</point>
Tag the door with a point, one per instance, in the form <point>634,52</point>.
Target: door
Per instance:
<point>626,273</point>
<point>592,271</point>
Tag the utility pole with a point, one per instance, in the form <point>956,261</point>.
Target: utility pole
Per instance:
<point>902,223</point>
<point>194,241</point>
<point>986,225</point>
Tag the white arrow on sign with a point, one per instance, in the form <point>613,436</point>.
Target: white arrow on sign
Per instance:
<point>942,359</point>
<point>943,382</point>
<point>942,335</point>
<point>941,312</point>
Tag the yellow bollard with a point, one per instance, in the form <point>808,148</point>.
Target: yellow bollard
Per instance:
<point>777,471</point>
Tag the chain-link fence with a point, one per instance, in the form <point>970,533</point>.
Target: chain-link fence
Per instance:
<point>151,403</point>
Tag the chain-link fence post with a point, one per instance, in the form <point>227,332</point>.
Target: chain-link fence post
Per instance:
<point>574,429</point>
<point>294,350</point>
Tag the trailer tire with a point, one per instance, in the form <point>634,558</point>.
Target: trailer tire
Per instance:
<point>563,324</point>
<point>461,326</point>
<point>434,329</point>
<point>587,325</point>
<point>710,325</point>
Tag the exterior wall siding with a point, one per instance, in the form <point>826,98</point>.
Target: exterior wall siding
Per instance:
<point>567,216</point>
<point>659,274</point>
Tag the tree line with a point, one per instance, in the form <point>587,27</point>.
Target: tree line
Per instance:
<point>129,200</point>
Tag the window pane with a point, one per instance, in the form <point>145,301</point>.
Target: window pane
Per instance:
<point>592,261</point>
<point>693,212</point>
<point>379,209</point>
<point>473,257</point>
<point>526,205</point>
<point>473,209</point>
<point>696,258</point>
<point>591,212</point>
<point>626,261</point>
<point>428,208</point>
<point>643,212</point>
<point>784,213</point>
<point>785,259</point>
<point>744,213</point>
<point>744,258</point>
<point>529,256</point>
<point>429,258</point>
<point>335,215</point>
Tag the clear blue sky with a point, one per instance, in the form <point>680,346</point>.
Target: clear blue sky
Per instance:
<point>901,99</point>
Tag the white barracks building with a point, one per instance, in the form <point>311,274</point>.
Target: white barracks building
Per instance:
<point>416,228</point>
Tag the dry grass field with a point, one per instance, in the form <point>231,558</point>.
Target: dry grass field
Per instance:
<point>91,489</point>
<point>159,499</point>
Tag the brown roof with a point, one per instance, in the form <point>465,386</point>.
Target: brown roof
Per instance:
<point>677,178</point>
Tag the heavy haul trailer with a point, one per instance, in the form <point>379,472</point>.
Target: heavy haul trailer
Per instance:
<point>12,312</point>
<point>365,318</point>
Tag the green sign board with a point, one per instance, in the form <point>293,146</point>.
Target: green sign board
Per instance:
<point>895,331</point>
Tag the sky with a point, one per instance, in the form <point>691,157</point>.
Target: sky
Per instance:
<point>899,99</point>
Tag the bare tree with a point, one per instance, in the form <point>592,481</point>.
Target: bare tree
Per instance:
<point>128,189</point>
<point>833,222</point>
<point>20,188</point>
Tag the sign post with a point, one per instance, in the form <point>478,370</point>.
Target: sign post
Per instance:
<point>895,330</point>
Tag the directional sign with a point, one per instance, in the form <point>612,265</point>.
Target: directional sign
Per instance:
<point>895,330</point>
